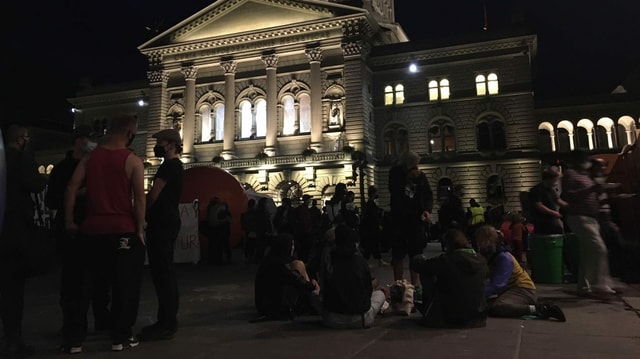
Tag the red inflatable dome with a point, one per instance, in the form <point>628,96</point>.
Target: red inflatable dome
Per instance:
<point>203,183</point>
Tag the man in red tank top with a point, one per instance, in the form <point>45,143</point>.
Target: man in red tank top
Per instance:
<point>113,231</point>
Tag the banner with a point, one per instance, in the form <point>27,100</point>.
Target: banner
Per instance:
<point>187,248</point>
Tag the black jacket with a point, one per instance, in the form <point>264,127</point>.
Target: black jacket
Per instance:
<point>346,285</point>
<point>457,280</point>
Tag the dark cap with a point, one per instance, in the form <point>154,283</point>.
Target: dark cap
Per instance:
<point>170,135</point>
<point>306,197</point>
<point>83,131</point>
<point>550,173</point>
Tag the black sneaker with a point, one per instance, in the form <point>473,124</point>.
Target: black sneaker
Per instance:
<point>549,310</point>
<point>156,332</point>
<point>132,342</point>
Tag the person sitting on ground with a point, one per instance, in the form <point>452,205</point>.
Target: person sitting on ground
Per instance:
<point>453,284</point>
<point>348,298</point>
<point>510,292</point>
<point>281,282</point>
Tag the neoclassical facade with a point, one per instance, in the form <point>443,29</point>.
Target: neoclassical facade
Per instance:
<point>292,97</point>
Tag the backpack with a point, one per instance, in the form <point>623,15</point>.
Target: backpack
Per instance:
<point>401,297</point>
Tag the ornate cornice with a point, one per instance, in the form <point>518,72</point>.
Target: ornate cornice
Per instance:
<point>355,48</point>
<point>270,61</point>
<point>158,76</point>
<point>231,4</point>
<point>189,72</point>
<point>253,41</point>
<point>314,54</point>
<point>453,51</point>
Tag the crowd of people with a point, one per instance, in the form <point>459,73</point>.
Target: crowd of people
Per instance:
<point>310,259</point>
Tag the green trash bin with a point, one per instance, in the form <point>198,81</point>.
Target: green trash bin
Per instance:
<point>546,251</point>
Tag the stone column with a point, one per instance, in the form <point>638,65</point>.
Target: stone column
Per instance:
<point>271,63</point>
<point>229,68</point>
<point>315,58</point>
<point>189,123</point>
<point>158,105</point>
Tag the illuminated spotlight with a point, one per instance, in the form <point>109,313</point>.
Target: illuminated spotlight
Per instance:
<point>141,103</point>
<point>413,68</point>
<point>75,110</point>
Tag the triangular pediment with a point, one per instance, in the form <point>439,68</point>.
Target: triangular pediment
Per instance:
<point>225,18</point>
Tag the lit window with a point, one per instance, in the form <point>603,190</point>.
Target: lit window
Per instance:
<point>289,110</point>
<point>441,137</point>
<point>492,83</point>
<point>388,95</point>
<point>246,120</point>
<point>444,89</point>
<point>433,90</point>
<point>207,128</point>
<point>399,94</point>
<point>219,122</point>
<point>261,118</point>
<point>487,85</point>
<point>305,113</point>
<point>396,140</point>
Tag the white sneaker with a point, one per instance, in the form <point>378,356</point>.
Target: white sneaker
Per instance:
<point>131,343</point>
<point>385,307</point>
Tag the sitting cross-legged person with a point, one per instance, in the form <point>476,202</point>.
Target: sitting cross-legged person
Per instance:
<point>348,299</point>
<point>281,282</point>
<point>510,292</point>
<point>453,285</point>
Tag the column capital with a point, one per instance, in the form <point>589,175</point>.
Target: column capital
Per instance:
<point>314,54</point>
<point>189,72</point>
<point>229,66</point>
<point>354,48</point>
<point>271,60</point>
<point>159,76</point>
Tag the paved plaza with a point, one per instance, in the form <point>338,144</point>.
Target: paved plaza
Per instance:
<point>217,303</point>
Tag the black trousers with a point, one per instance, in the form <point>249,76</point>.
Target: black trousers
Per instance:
<point>117,260</point>
<point>13,278</point>
<point>160,248</point>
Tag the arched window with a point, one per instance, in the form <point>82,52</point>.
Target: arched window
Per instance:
<point>207,124</point>
<point>396,140</point>
<point>582,139</point>
<point>441,137</point>
<point>564,144</point>
<point>544,141</point>
<point>289,111</point>
<point>246,120</point>
<point>261,118</point>
<point>490,134</point>
<point>219,122</point>
<point>439,90</point>
<point>394,95</point>
<point>601,137</point>
<point>305,113</point>
<point>487,84</point>
<point>399,94</point>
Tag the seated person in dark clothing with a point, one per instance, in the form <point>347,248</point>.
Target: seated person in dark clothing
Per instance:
<point>510,292</point>
<point>348,298</point>
<point>281,283</point>
<point>453,285</point>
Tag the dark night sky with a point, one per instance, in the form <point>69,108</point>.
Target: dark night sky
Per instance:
<point>582,48</point>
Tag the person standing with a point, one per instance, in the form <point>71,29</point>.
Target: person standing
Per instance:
<point>163,225</point>
<point>411,207</point>
<point>545,204</point>
<point>475,219</point>
<point>582,194</point>
<point>371,228</point>
<point>22,180</point>
<point>113,230</point>
<point>69,249</point>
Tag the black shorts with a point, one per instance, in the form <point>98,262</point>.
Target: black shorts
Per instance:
<point>408,240</point>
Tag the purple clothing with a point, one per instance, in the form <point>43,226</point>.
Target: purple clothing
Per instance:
<point>500,274</point>
<point>581,192</point>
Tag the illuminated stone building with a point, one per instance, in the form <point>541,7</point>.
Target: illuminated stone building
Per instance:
<point>292,97</point>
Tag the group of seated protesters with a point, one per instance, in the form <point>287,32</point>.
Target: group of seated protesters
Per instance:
<point>460,287</point>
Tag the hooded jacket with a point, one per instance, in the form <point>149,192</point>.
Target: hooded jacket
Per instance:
<point>459,277</point>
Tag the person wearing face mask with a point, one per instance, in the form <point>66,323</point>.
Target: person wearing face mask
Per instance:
<point>23,179</point>
<point>163,225</point>
<point>582,195</point>
<point>509,291</point>
<point>84,141</point>
<point>112,233</point>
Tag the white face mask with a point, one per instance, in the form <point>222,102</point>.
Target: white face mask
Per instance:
<point>90,146</point>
